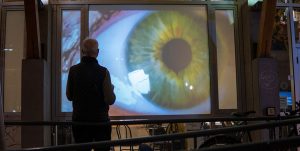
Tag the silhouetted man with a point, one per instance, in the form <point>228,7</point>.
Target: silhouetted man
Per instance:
<point>91,92</point>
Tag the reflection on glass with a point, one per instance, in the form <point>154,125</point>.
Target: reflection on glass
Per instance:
<point>253,2</point>
<point>280,35</point>
<point>70,50</point>
<point>14,52</point>
<point>226,59</point>
<point>13,0</point>
<point>221,0</point>
<point>280,52</point>
<point>282,1</point>
<point>296,18</point>
<point>296,1</point>
<point>159,64</point>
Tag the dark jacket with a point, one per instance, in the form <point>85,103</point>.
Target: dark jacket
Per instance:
<point>89,88</point>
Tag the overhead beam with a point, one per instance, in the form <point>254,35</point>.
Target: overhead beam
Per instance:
<point>266,28</point>
<point>33,48</point>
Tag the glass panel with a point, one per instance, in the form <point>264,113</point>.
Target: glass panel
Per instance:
<point>296,1</point>
<point>45,2</point>
<point>12,137</point>
<point>280,35</point>
<point>280,51</point>
<point>14,52</point>
<point>160,60</point>
<point>70,50</point>
<point>226,59</point>
<point>13,0</point>
<point>282,1</point>
<point>253,2</point>
<point>296,18</point>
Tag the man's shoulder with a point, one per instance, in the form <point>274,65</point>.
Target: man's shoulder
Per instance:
<point>102,68</point>
<point>74,67</point>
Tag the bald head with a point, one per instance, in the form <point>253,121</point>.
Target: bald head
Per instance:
<point>90,47</point>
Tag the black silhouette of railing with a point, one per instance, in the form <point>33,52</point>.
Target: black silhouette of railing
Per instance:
<point>148,121</point>
<point>293,141</point>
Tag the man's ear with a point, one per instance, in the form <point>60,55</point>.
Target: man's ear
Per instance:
<point>96,53</point>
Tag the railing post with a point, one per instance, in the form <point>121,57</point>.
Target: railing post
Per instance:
<point>56,135</point>
<point>2,143</point>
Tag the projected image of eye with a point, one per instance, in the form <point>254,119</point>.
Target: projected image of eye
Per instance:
<point>169,48</point>
<point>157,57</point>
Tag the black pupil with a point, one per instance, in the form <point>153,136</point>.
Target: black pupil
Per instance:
<point>176,54</point>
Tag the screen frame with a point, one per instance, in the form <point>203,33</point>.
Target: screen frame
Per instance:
<point>228,5</point>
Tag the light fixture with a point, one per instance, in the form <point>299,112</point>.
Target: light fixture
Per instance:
<point>8,49</point>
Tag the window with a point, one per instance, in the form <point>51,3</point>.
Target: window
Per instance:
<point>70,50</point>
<point>160,64</point>
<point>227,84</point>
<point>14,52</point>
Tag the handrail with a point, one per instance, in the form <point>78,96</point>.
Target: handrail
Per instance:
<point>149,121</point>
<point>166,137</point>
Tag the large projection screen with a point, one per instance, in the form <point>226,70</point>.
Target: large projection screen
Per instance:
<point>158,58</point>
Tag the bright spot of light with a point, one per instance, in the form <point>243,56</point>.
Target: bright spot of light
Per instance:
<point>45,2</point>
<point>191,87</point>
<point>140,81</point>
<point>218,123</point>
<point>252,2</point>
<point>8,49</point>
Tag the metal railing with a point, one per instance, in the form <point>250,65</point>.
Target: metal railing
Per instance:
<point>284,143</point>
<point>169,137</point>
<point>61,126</point>
<point>149,121</point>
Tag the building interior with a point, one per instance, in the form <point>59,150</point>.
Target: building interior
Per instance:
<point>177,66</point>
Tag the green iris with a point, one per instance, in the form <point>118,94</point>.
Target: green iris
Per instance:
<point>172,48</point>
